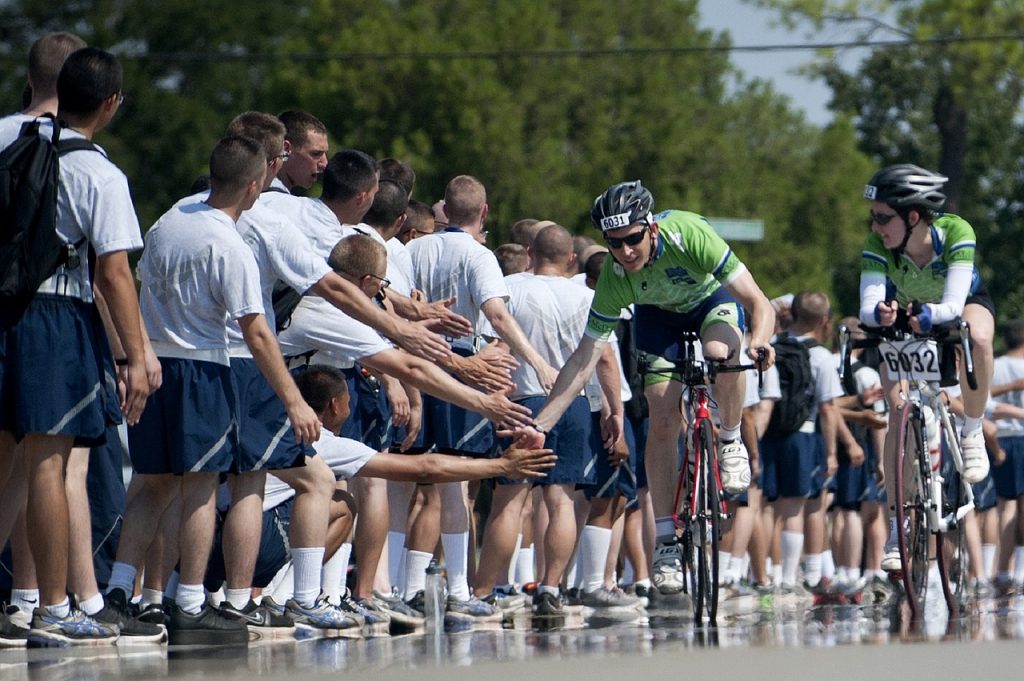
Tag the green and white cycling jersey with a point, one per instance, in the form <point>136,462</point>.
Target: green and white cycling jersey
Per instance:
<point>954,244</point>
<point>690,263</point>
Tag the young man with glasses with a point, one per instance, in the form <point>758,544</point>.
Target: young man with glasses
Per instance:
<point>681,276</point>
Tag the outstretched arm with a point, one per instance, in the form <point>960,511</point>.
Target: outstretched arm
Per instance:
<point>509,330</point>
<point>569,383</point>
<point>347,297</point>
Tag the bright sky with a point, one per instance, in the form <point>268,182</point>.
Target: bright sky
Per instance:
<point>750,25</point>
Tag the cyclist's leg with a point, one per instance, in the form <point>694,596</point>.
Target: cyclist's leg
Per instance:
<point>891,554</point>
<point>721,336</point>
<point>721,339</point>
<point>972,443</point>
<point>662,451</point>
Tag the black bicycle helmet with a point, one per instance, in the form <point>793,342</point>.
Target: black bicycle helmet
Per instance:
<point>621,205</point>
<point>906,186</point>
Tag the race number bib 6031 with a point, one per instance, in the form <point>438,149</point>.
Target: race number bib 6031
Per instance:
<point>911,359</point>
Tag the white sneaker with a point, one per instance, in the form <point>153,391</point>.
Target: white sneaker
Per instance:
<point>734,465</point>
<point>891,558</point>
<point>667,569</point>
<point>972,447</point>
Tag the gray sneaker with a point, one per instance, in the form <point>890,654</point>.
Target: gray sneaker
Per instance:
<point>375,622</point>
<point>12,635</point>
<point>473,607</point>
<point>609,598</point>
<point>75,629</point>
<point>403,619</point>
<point>324,619</point>
<point>507,603</point>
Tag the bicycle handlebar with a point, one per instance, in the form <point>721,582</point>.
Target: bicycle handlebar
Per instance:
<point>955,332</point>
<point>694,372</point>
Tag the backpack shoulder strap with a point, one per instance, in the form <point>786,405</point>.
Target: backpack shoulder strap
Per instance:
<point>67,146</point>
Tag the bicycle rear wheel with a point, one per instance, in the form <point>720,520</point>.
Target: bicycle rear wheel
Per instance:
<point>708,528</point>
<point>912,529</point>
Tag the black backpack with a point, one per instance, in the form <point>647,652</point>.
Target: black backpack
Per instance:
<point>30,248</point>
<point>285,299</point>
<point>796,381</point>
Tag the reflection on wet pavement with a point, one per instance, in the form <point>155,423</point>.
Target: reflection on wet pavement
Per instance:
<point>819,626</point>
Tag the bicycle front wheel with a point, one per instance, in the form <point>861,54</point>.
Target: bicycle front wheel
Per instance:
<point>912,529</point>
<point>709,507</point>
<point>951,545</point>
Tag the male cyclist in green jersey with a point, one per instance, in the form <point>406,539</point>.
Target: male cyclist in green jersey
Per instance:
<point>681,276</point>
<point>917,254</point>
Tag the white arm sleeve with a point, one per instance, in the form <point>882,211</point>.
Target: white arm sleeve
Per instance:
<point>954,295</point>
<point>872,292</point>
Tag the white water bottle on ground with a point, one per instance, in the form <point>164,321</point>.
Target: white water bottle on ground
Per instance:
<point>434,599</point>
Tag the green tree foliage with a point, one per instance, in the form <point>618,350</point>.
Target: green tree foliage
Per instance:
<point>546,102</point>
<point>941,103</point>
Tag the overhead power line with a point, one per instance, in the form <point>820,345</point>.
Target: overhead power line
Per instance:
<point>582,53</point>
<point>550,54</point>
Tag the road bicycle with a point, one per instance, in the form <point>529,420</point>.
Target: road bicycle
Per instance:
<point>699,507</point>
<point>932,500</point>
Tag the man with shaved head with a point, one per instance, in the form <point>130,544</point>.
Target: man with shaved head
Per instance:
<point>453,262</point>
<point>552,311</point>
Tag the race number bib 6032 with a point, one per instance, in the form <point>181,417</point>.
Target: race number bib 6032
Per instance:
<point>911,359</point>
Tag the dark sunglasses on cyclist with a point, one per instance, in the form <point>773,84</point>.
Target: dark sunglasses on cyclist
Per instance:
<point>629,240</point>
<point>882,218</point>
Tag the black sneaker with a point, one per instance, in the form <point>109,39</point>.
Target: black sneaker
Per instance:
<point>209,627</point>
<point>155,613</point>
<point>417,602</point>
<point>573,596</point>
<point>117,612</point>
<point>547,605</point>
<point>265,621</point>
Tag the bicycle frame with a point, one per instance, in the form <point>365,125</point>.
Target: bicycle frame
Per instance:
<point>700,411</point>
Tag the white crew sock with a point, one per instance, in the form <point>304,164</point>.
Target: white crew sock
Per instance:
<point>1018,564</point>
<point>151,597</point>
<point>191,597</point>
<point>416,563</point>
<point>988,560</point>
<point>828,564</point>
<point>308,562</point>
<point>593,555</point>
<point>812,568</point>
<point>92,605</point>
<point>515,557</point>
<point>238,598</point>
<point>525,572</point>
<point>332,574</point>
<point>792,547</point>
<point>456,556</point>
<point>25,600</point>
